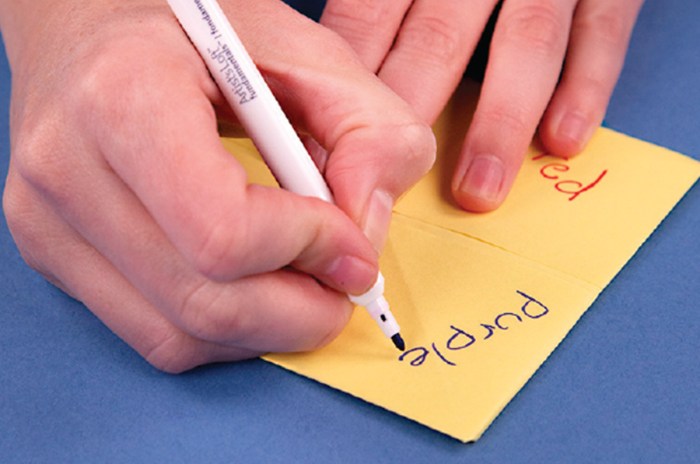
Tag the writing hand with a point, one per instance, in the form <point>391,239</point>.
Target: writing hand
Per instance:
<point>552,64</point>
<point>119,190</point>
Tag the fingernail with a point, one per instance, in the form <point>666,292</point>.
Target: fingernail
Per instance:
<point>350,274</point>
<point>377,218</point>
<point>575,127</point>
<point>484,178</point>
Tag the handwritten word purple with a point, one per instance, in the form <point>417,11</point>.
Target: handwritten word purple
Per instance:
<point>460,339</point>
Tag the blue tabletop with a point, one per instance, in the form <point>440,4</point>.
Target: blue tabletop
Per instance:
<point>622,387</point>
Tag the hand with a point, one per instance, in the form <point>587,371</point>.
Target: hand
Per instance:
<point>120,192</point>
<point>421,48</point>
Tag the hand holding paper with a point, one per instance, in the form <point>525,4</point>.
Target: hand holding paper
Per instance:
<point>551,67</point>
<point>484,299</point>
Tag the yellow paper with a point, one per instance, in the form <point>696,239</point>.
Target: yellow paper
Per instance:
<point>484,299</point>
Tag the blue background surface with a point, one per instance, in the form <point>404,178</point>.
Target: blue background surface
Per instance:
<point>622,387</point>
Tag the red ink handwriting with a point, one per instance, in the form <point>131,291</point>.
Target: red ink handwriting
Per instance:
<point>572,188</point>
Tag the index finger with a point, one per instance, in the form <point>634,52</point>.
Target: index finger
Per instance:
<point>378,145</point>
<point>195,190</point>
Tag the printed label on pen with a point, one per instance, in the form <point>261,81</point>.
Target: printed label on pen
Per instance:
<point>230,69</point>
<point>232,73</point>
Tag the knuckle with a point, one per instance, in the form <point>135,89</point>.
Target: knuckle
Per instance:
<point>113,84</point>
<point>354,16</point>
<point>596,87</point>
<point>25,222</point>
<point>202,313</point>
<point>431,38</point>
<point>217,245</point>
<point>222,247</point>
<point>338,51</point>
<point>593,92</point>
<point>172,353</point>
<point>19,214</point>
<point>419,140</point>
<point>35,160</point>
<point>611,26</point>
<point>95,87</point>
<point>170,363</point>
<point>14,204</point>
<point>538,27</point>
<point>504,120</point>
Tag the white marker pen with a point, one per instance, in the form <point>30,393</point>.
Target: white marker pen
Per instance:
<point>266,124</point>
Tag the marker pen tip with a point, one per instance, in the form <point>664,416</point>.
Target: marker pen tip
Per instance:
<point>398,342</point>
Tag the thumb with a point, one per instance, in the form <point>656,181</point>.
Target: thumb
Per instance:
<point>377,146</point>
<point>199,196</point>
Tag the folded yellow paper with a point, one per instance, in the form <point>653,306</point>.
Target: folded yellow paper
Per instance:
<point>484,299</point>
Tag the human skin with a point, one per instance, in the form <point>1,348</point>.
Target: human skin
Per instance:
<point>120,192</point>
<point>552,68</point>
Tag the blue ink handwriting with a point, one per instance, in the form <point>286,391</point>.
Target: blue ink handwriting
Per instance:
<point>460,339</point>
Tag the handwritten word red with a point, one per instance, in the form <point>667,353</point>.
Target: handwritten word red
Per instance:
<point>559,172</point>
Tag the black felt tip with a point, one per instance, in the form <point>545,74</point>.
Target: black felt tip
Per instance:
<point>398,342</point>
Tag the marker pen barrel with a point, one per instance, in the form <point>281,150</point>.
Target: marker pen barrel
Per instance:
<point>264,121</point>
